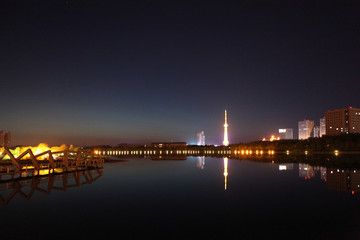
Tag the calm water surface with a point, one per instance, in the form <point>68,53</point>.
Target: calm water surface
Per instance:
<point>187,199</point>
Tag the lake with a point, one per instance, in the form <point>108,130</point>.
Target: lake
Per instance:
<point>196,197</point>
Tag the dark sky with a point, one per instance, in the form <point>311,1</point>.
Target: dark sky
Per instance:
<point>104,72</point>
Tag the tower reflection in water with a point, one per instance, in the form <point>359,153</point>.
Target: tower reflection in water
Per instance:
<point>201,164</point>
<point>225,171</point>
<point>26,187</point>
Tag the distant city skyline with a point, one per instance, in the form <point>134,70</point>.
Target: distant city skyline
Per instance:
<point>306,129</point>
<point>108,72</point>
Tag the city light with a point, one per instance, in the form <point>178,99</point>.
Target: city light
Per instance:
<point>271,152</point>
<point>271,139</point>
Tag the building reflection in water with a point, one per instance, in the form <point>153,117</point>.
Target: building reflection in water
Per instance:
<point>306,171</point>
<point>225,171</point>
<point>26,187</point>
<point>286,166</point>
<point>201,162</point>
<point>336,179</point>
<point>343,180</point>
<point>323,173</point>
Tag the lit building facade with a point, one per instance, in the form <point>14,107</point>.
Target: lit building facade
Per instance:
<point>342,121</point>
<point>286,133</point>
<point>305,129</point>
<point>201,138</point>
<point>322,127</point>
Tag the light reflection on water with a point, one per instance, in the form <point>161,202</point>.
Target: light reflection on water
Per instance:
<point>201,196</point>
<point>45,182</point>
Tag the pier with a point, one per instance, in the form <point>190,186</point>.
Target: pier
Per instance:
<point>28,163</point>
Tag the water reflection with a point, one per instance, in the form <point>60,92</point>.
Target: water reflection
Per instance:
<point>286,166</point>
<point>306,171</point>
<point>160,196</point>
<point>201,162</point>
<point>45,184</point>
<point>323,173</point>
<point>201,165</point>
<point>344,180</point>
<point>226,171</point>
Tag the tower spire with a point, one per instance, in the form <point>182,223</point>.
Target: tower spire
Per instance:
<point>226,140</point>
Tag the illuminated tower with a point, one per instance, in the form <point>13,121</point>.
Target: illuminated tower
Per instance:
<point>226,140</point>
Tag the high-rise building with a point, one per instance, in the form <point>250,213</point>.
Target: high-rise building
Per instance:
<point>226,140</point>
<point>305,129</point>
<point>5,139</point>
<point>201,138</point>
<point>2,138</point>
<point>342,121</point>
<point>316,132</point>
<point>286,133</point>
<point>322,127</point>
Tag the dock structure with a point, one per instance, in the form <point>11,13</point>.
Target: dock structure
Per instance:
<point>47,162</point>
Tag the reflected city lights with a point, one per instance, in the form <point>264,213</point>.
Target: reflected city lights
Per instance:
<point>282,167</point>
<point>43,182</point>
<point>225,171</point>
<point>201,162</point>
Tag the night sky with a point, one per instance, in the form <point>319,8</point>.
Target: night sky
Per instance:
<point>88,72</point>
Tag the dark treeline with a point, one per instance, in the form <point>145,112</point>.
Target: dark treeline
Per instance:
<point>345,143</point>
